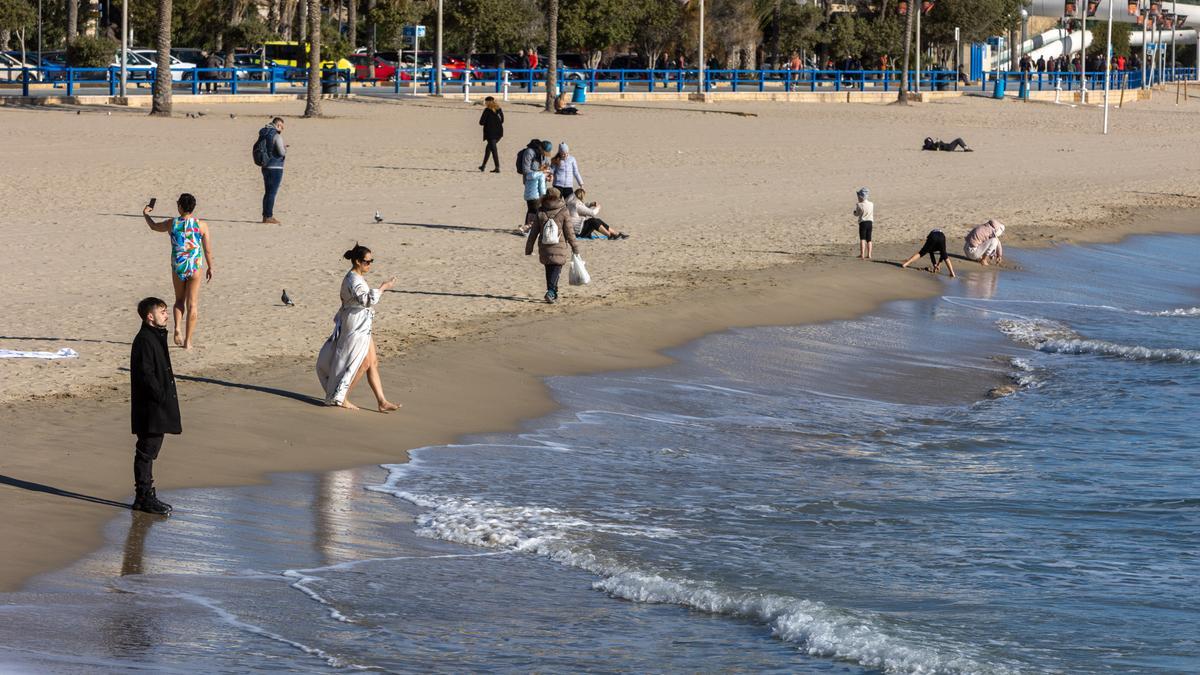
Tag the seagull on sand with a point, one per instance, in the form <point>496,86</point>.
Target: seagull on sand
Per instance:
<point>378,217</point>
<point>286,300</point>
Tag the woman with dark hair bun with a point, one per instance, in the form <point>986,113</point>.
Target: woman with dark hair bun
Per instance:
<point>349,353</point>
<point>191,252</point>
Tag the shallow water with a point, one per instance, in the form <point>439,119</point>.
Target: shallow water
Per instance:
<point>831,498</point>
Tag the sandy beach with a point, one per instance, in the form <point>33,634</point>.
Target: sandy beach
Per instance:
<point>737,220</point>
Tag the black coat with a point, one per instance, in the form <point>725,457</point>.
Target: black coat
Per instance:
<point>155,404</point>
<point>492,122</point>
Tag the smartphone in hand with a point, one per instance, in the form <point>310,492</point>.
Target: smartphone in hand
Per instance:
<point>153,201</point>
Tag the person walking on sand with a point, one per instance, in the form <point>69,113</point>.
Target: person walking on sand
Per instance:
<point>271,136</point>
<point>492,121</point>
<point>154,403</point>
<point>349,353</point>
<point>935,248</point>
<point>865,210</point>
<point>534,185</point>
<point>983,243</point>
<point>191,252</point>
<point>554,237</point>
<point>566,172</point>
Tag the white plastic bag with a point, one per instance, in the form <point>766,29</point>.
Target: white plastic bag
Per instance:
<point>579,275</point>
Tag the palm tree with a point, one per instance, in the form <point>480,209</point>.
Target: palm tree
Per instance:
<point>312,107</point>
<point>902,97</point>
<point>552,55</point>
<point>161,102</point>
<point>72,20</point>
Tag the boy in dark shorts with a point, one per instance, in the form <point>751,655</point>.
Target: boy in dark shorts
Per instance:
<point>865,210</point>
<point>935,243</point>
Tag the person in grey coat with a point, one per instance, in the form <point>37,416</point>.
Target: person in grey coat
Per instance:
<point>272,171</point>
<point>557,254</point>
<point>154,403</point>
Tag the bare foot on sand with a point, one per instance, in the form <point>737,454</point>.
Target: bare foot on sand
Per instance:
<point>178,338</point>
<point>388,406</point>
<point>349,406</point>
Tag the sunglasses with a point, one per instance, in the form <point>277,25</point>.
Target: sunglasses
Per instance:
<point>368,262</point>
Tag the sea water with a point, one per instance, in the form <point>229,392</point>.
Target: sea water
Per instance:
<point>842,497</point>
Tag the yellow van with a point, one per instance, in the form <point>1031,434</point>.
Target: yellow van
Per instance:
<point>295,55</point>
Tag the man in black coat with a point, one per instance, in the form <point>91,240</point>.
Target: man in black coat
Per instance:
<point>154,402</point>
<point>492,121</point>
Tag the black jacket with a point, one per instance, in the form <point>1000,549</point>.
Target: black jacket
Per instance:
<point>492,123</point>
<point>155,405</point>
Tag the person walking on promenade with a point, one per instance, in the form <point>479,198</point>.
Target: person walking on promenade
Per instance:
<point>191,252</point>
<point>349,353</point>
<point>211,76</point>
<point>935,248</point>
<point>554,237</point>
<point>983,243</point>
<point>492,121</point>
<point>865,210</point>
<point>271,137</point>
<point>154,403</point>
<point>566,172</point>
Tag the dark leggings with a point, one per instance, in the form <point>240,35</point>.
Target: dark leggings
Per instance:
<point>490,151</point>
<point>952,145</point>
<point>531,209</point>
<point>591,225</point>
<point>552,273</point>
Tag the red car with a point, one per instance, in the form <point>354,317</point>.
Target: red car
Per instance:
<point>452,69</point>
<point>385,71</point>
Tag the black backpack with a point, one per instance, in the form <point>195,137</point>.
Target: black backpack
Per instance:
<point>261,150</point>
<point>521,155</point>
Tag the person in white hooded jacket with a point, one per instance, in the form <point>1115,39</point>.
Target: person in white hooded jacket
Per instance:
<point>983,243</point>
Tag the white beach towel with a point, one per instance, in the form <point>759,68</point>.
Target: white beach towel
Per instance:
<point>64,353</point>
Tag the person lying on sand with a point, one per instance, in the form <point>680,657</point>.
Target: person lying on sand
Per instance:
<point>935,145</point>
<point>935,247</point>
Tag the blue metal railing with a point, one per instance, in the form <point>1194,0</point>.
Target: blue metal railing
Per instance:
<point>257,80</point>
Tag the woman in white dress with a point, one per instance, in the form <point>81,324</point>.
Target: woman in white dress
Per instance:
<point>349,353</point>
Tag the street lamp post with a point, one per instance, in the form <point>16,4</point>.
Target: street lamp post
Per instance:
<point>918,7</point>
<point>438,54</point>
<point>124,43</point>
<point>1083,52</point>
<point>1108,65</point>
<point>700,62</point>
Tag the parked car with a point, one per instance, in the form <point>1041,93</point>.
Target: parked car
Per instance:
<point>142,63</point>
<point>189,55</point>
<point>52,68</point>
<point>385,71</point>
<point>573,64</point>
<point>11,67</point>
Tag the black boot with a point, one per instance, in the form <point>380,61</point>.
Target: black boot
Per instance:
<point>148,502</point>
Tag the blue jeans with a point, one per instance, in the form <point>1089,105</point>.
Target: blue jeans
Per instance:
<point>271,180</point>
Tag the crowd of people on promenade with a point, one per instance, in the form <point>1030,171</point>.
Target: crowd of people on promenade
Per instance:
<point>556,217</point>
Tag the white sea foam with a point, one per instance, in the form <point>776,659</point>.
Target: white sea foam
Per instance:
<point>970,302</point>
<point>815,628</point>
<point>1056,338</point>
<point>1180,311</point>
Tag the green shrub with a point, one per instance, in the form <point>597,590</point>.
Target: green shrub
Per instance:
<point>91,52</point>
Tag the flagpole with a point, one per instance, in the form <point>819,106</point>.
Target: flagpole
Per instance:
<point>1108,65</point>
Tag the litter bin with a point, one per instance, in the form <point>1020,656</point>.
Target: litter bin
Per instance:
<point>1000,86</point>
<point>580,95</point>
<point>329,81</point>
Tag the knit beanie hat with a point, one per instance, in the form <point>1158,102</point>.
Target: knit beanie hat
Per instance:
<point>864,192</point>
<point>562,147</point>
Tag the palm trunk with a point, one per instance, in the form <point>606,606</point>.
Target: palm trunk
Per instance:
<point>161,104</point>
<point>72,20</point>
<point>552,56</point>
<point>304,22</point>
<point>236,7</point>
<point>352,23</point>
<point>902,96</point>
<point>371,46</point>
<point>312,107</point>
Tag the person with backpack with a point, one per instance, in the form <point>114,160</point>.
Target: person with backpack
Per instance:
<point>554,237</point>
<point>269,153</point>
<point>531,159</point>
<point>492,121</point>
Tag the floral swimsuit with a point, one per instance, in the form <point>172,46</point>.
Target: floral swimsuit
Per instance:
<point>187,251</point>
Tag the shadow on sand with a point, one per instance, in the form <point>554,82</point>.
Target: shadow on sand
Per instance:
<point>58,492</point>
<point>486,296</point>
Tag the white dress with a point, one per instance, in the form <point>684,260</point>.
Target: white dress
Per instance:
<point>344,351</point>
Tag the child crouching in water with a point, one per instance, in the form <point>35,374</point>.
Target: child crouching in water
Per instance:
<point>865,210</point>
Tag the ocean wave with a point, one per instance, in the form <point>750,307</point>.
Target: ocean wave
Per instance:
<point>814,627</point>
<point>1181,311</point>
<point>1056,338</point>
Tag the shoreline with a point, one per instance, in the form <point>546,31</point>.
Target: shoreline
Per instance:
<point>489,380</point>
